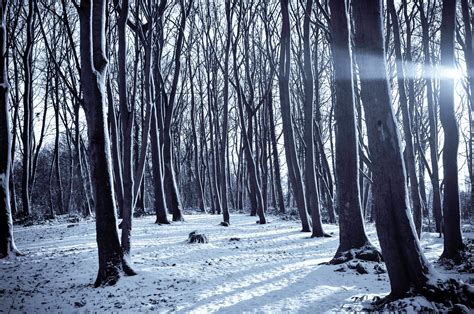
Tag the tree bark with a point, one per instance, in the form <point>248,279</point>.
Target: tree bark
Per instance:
<point>453,245</point>
<point>171,188</point>
<point>294,171</point>
<point>351,224</point>
<point>93,75</point>
<point>225,122</point>
<point>310,174</point>
<point>7,242</point>
<point>28,112</point>
<point>406,264</point>
<point>410,151</point>
<point>433,127</point>
<point>127,122</point>
<point>468,19</point>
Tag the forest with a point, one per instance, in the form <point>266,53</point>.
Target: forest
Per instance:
<point>236,155</point>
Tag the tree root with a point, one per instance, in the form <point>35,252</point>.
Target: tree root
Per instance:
<point>445,294</point>
<point>366,253</point>
<point>112,272</point>
<point>107,277</point>
<point>323,235</point>
<point>463,262</point>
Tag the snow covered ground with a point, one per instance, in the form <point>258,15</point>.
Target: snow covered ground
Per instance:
<point>272,267</point>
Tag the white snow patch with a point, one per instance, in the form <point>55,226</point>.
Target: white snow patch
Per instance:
<point>272,268</point>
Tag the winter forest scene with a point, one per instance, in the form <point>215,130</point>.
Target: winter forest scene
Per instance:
<point>235,156</point>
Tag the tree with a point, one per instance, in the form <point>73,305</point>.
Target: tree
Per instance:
<point>468,48</point>
<point>294,172</point>
<point>410,152</point>
<point>93,76</point>
<point>453,245</point>
<point>7,242</point>
<point>27,137</point>
<point>407,266</point>
<point>353,241</point>
<point>225,122</point>
<point>256,197</point>
<point>310,175</point>
<point>170,185</point>
<point>432,118</point>
<point>127,123</point>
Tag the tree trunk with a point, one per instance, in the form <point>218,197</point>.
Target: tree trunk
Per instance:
<point>276,161</point>
<point>93,74</point>
<point>288,132</point>
<point>7,242</point>
<point>351,224</point>
<point>171,188</point>
<point>116,155</point>
<point>410,152</point>
<point>453,244</point>
<point>197,169</point>
<point>433,132</point>
<point>225,122</point>
<point>28,112</point>
<point>254,185</point>
<point>127,121</point>
<point>310,174</point>
<point>468,19</point>
<point>407,266</point>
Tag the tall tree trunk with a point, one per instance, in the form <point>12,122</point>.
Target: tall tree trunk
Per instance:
<point>288,132</point>
<point>116,155</point>
<point>309,173</point>
<point>197,168</point>
<point>171,188</point>
<point>407,266</point>
<point>28,111</point>
<point>351,224</point>
<point>453,244</point>
<point>468,19</point>
<point>127,121</point>
<point>153,110</point>
<point>433,126</point>
<point>225,122</point>
<point>93,75</point>
<point>254,185</point>
<point>276,161</point>
<point>7,242</point>
<point>410,151</point>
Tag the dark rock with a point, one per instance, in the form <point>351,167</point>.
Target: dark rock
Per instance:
<point>379,269</point>
<point>361,269</point>
<point>80,303</point>
<point>195,237</point>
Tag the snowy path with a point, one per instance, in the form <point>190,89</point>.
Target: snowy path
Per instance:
<point>272,267</point>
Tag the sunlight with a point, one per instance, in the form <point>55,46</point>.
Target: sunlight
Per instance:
<point>449,73</point>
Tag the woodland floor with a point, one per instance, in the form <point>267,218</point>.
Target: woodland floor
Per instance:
<point>272,267</point>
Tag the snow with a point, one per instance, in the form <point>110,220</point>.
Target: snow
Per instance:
<point>269,268</point>
<point>3,181</point>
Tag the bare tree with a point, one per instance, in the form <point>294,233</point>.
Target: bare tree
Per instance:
<point>310,175</point>
<point>407,266</point>
<point>432,118</point>
<point>353,241</point>
<point>7,242</point>
<point>27,137</point>
<point>294,171</point>
<point>93,76</point>
<point>410,152</point>
<point>453,245</point>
